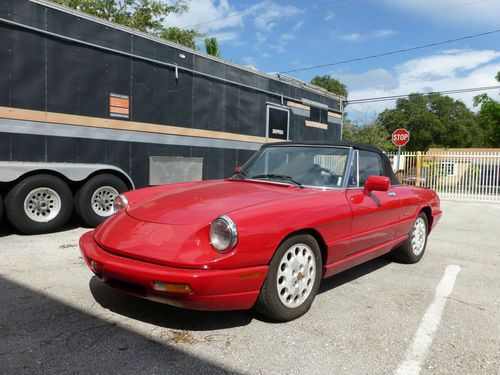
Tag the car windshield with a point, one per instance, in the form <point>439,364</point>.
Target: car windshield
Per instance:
<point>298,165</point>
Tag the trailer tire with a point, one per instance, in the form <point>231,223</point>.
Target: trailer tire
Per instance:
<point>94,200</point>
<point>39,204</point>
<point>1,207</point>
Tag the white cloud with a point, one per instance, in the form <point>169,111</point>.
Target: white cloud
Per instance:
<point>351,37</point>
<point>357,37</point>
<point>249,60</point>
<point>226,36</point>
<point>297,26</point>
<point>283,41</point>
<point>447,70</point>
<point>371,78</point>
<point>261,37</point>
<point>207,16</point>
<point>329,16</point>
<point>268,14</point>
<point>480,12</point>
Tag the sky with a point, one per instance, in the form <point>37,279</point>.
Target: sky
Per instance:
<point>280,35</point>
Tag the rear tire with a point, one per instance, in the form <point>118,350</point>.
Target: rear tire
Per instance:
<point>293,279</point>
<point>94,200</point>
<point>1,208</point>
<point>39,204</point>
<point>413,248</point>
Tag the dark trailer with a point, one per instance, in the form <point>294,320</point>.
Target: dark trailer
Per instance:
<point>89,108</point>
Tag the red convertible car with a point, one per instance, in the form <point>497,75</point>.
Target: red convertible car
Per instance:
<point>294,214</point>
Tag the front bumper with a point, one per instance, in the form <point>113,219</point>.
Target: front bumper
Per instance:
<point>233,289</point>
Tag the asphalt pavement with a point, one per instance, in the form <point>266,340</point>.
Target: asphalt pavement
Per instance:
<point>440,316</point>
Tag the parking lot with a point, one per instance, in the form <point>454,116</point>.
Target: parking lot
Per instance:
<point>56,318</point>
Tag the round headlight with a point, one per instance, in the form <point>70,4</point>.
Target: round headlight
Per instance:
<point>120,202</point>
<point>223,234</point>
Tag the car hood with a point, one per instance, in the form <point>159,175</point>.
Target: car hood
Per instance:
<point>204,201</point>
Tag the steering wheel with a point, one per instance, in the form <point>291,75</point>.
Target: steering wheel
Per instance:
<point>326,170</point>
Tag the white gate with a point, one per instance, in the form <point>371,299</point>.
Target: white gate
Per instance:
<point>458,176</point>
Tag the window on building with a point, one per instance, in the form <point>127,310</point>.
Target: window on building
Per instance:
<point>318,115</point>
<point>278,120</point>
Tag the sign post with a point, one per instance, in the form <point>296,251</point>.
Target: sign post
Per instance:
<point>400,137</point>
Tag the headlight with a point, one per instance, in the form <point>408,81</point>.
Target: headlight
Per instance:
<point>120,202</point>
<point>223,234</point>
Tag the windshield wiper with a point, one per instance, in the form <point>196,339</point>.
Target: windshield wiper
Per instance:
<point>279,177</point>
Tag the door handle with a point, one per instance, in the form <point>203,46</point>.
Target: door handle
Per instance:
<point>391,194</point>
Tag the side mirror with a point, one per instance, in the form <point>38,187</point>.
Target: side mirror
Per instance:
<point>376,183</point>
<point>237,170</point>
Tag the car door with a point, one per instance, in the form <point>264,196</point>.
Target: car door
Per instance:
<point>375,217</point>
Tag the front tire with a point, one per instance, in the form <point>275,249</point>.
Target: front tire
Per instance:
<point>94,200</point>
<point>39,204</point>
<point>293,279</point>
<point>413,248</point>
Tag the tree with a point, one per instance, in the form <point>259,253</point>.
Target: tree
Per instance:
<point>434,120</point>
<point>373,134</point>
<point>183,37</point>
<point>212,47</point>
<point>330,84</point>
<point>488,118</point>
<point>143,15</point>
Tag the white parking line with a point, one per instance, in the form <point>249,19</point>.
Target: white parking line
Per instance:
<point>417,351</point>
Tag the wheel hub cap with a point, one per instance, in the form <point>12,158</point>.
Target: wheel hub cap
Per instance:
<point>296,274</point>
<point>102,200</point>
<point>418,236</point>
<point>42,204</point>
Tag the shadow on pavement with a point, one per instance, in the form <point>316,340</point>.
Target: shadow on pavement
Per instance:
<point>6,229</point>
<point>164,315</point>
<point>175,318</point>
<point>39,334</point>
<point>353,273</point>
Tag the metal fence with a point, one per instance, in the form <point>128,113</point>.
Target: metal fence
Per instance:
<point>458,176</point>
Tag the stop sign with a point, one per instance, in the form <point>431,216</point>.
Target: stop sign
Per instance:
<point>400,137</point>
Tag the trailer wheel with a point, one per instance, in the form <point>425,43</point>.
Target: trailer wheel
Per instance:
<point>94,200</point>
<point>1,207</point>
<point>39,204</point>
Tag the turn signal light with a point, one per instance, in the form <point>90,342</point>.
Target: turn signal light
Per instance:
<point>162,286</point>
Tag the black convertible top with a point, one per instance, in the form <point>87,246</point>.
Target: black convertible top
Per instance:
<point>358,146</point>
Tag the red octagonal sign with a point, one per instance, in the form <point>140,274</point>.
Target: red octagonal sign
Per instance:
<point>400,137</point>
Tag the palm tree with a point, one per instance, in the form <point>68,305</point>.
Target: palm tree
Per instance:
<point>212,47</point>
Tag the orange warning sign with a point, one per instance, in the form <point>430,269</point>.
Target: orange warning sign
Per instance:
<point>119,105</point>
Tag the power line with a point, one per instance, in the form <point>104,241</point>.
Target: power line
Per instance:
<point>393,97</point>
<point>394,52</point>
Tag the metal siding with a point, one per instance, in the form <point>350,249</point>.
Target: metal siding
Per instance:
<point>164,96</point>
<point>5,64</point>
<point>139,165</point>
<point>202,94</point>
<point>62,89</point>
<point>92,73</point>
<point>27,147</point>
<point>5,146</point>
<point>28,70</point>
<point>62,149</point>
<point>142,98</point>
<point>91,151</point>
<point>25,12</point>
<point>118,154</point>
<point>202,152</point>
<point>117,78</point>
